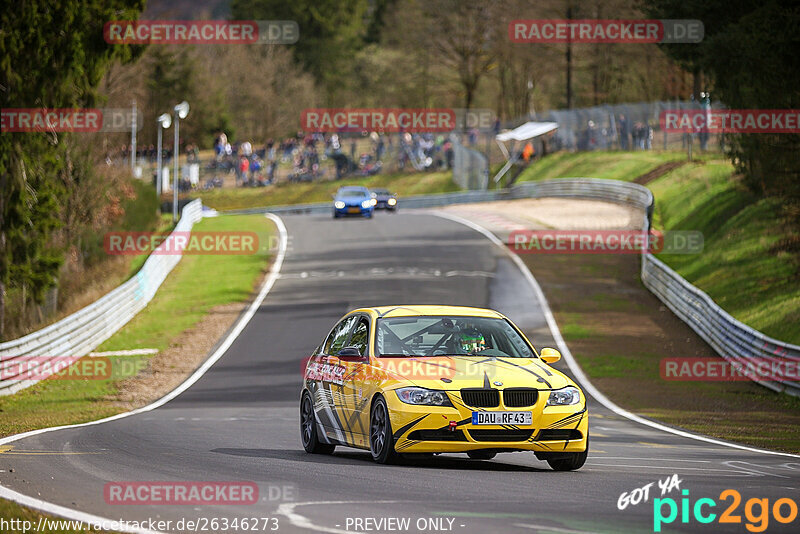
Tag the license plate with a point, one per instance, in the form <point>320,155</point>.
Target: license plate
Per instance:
<point>502,418</point>
<point>353,210</point>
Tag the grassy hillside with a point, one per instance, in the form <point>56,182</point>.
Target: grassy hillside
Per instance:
<point>302,193</point>
<point>744,266</point>
<point>611,165</point>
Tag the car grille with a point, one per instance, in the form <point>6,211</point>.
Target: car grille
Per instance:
<point>481,398</point>
<point>559,434</point>
<point>519,397</point>
<point>437,435</point>
<point>499,434</point>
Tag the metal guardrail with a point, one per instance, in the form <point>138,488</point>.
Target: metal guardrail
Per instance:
<point>734,341</point>
<point>77,334</point>
<point>606,190</point>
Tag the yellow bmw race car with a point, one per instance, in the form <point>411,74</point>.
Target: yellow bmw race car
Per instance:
<point>433,379</point>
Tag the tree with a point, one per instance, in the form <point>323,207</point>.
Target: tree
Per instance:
<point>749,53</point>
<point>461,34</point>
<point>52,56</point>
<point>331,31</point>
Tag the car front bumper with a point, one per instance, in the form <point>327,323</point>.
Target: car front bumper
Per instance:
<point>353,211</point>
<point>426,429</point>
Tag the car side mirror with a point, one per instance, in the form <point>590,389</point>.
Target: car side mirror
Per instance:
<point>549,355</point>
<point>350,354</point>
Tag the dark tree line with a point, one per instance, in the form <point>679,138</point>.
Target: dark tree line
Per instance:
<point>750,59</point>
<point>52,55</point>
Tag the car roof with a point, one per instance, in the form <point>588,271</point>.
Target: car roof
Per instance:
<point>353,188</point>
<point>421,310</point>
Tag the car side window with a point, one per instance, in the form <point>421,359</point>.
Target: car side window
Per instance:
<point>339,335</point>
<point>360,337</point>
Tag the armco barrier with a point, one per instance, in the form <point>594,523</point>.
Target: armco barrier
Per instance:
<point>79,333</point>
<point>731,339</point>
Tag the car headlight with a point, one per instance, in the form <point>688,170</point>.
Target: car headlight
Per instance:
<point>373,202</point>
<point>428,397</point>
<point>338,205</point>
<point>366,204</point>
<point>392,201</point>
<point>564,396</point>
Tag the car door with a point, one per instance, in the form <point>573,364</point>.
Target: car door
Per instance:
<point>326,372</point>
<point>356,397</point>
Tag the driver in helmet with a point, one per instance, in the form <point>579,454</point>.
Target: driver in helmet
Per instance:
<point>471,340</point>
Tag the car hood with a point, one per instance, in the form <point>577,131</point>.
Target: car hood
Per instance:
<point>351,199</point>
<point>474,372</point>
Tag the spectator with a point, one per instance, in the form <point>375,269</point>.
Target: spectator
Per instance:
<point>246,149</point>
<point>255,167</point>
<point>623,132</point>
<point>528,152</point>
<point>244,167</point>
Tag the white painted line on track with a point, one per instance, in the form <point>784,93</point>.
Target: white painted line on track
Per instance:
<point>69,513</point>
<point>663,459</point>
<point>573,364</point>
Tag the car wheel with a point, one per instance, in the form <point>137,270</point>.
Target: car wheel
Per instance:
<point>481,455</point>
<point>335,214</point>
<point>381,441</point>
<point>308,429</point>
<point>571,463</point>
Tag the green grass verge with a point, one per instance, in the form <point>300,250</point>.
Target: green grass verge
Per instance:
<point>181,302</point>
<point>742,266</point>
<point>302,193</point>
<point>615,165</point>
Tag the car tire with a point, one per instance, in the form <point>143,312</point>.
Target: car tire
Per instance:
<point>481,455</point>
<point>335,214</point>
<point>381,440</point>
<point>571,463</point>
<point>308,428</point>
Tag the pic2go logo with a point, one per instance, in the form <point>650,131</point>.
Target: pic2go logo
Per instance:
<point>756,511</point>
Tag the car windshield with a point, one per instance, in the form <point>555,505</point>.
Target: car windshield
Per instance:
<point>352,193</point>
<point>380,191</point>
<point>451,336</point>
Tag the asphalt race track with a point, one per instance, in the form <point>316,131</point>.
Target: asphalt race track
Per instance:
<point>240,421</point>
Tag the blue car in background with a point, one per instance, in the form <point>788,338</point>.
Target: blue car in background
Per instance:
<point>353,200</point>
